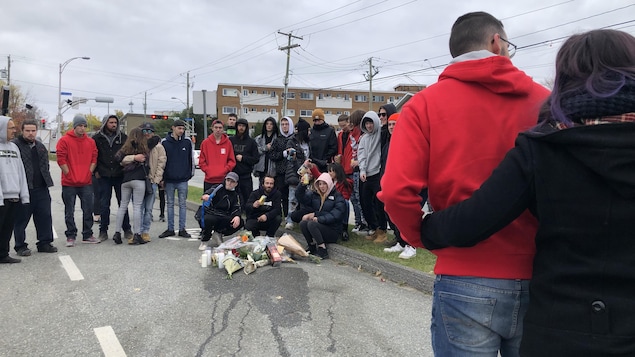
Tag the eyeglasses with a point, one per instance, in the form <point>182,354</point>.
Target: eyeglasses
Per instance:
<point>511,48</point>
<point>383,114</point>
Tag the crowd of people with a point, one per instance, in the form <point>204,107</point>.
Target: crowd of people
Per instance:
<point>532,190</point>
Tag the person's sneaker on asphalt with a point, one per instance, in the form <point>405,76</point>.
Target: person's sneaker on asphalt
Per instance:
<point>183,233</point>
<point>408,252</point>
<point>46,248</point>
<point>70,242</point>
<point>137,239</point>
<point>397,248</point>
<point>167,233</point>
<point>117,238</point>
<point>91,240</point>
<point>161,218</point>
<point>203,246</point>
<point>146,237</point>
<point>9,260</point>
<point>23,252</point>
<point>128,235</point>
<point>103,236</point>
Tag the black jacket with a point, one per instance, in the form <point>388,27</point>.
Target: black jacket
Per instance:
<point>26,152</point>
<point>580,185</point>
<point>323,143</point>
<point>331,212</point>
<point>385,135</point>
<point>247,147</point>
<point>107,147</point>
<point>224,203</point>
<point>293,163</point>
<point>271,208</point>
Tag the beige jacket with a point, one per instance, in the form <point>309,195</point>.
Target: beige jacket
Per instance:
<point>157,161</point>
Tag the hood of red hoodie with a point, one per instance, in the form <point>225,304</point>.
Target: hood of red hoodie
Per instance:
<point>498,76</point>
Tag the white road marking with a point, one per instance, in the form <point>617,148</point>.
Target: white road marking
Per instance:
<point>71,268</point>
<point>109,342</point>
<point>172,238</point>
<point>54,234</point>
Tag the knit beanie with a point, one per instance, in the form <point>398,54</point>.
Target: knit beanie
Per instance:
<point>79,120</point>
<point>318,114</point>
<point>394,117</point>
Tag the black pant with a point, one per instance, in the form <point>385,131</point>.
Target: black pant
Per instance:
<point>270,226</point>
<point>7,220</point>
<point>85,194</point>
<point>221,224</point>
<point>282,186</point>
<point>372,208</point>
<point>245,186</point>
<point>40,209</point>
<point>161,202</point>
<point>318,232</point>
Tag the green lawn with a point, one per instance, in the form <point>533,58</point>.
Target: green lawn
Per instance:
<point>424,261</point>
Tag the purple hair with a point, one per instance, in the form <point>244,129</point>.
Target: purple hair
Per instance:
<point>597,63</point>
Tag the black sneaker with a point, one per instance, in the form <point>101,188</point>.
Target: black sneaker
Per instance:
<point>9,260</point>
<point>162,218</point>
<point>46,248</point>
<point>128,235</point>
<point>117,238</point>
<point>103,236</point>
<point>345,236</point>
<point>312,249</point>
<point>167,233</point>
<point>183,233</point>
<point>322,253</point>
<point>23,251</point>
<point>137,239</point>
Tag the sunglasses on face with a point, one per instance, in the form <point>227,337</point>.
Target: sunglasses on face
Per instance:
<point>147,131</point>
<point>383,114</point>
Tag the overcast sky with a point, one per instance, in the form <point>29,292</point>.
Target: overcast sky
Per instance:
<point>139,47</point>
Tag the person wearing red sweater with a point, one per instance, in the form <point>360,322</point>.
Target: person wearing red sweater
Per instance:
<point>217,156</point>
<point>450,137</point>
<point>77,157</point>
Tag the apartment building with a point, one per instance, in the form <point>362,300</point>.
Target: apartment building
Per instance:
<point>256,103</point>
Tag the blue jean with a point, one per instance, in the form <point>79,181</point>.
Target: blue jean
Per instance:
<point>146,209</point>
<point>40,209</point>
<point>181,189</point>
<point>85,194</point>
<point>106,185</point>
<point>357,206</point>
<point>478,316</point>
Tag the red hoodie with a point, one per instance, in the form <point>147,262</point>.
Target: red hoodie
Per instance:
<point>78,153</point>
<point>450,137</point>
<point>216,159</point>
<point>349,150</point>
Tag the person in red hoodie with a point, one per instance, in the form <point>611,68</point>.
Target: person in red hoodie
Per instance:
<point>347,140</point>
<point>77,157</point>
<point>450,138</point>
<point>217,156</point>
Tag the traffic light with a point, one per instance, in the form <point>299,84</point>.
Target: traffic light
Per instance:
<point>158,117</point>
<point>43,122</point>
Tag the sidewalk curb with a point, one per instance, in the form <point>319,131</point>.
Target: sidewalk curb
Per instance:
<point>392,271</point>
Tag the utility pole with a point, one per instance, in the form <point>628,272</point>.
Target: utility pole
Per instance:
<point>9,70</point>
<point>145,104</point>
<point>187,98</point>
<point>372,72</point>
<point>287,48</point>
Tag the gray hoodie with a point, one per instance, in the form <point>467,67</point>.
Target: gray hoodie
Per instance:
<point>369,148</point>
<point>13,182</point>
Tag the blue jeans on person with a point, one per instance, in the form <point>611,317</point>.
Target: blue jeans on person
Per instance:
<point>106,185</point>
<point>357,206</point>
<point>478,316</point>
<point>85,194</point>
<point>40,209</point>
<point>146,209</point>
<point>181,189</point>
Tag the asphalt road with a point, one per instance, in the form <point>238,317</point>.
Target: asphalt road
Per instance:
<point>156,300</point>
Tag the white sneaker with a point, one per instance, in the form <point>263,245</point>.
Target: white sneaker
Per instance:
<point>288,225</point>
<point>408,253</point>
<point>397,248</point>
<point>203,246</point>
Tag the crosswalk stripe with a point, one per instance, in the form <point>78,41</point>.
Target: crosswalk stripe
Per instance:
<point>108,341</point>
<point>70,267</point>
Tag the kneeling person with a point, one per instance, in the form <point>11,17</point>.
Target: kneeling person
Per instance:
<point>264,209</point>
<point>222,215</point>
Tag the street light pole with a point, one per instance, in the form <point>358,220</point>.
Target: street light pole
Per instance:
<point>59,91</point>
<point>187,112</point>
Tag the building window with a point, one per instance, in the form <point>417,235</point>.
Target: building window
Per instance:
<point>273,94</point>
<point>230,110</point>
<point>246,110</point>
<point>347,112</point>
<point>378,98</point>
<point>245,92</point>
<point>320,96</point>
<point>361,98</point>
<point>306,95</point>
<point>391,99</point>
<point>230,92</point>
<point>265,92</point>
<point>273,111</point>
<point>291,112</point>
<point>253,109</point>
<point>253,91</point>
<point>347,97</point>
<point>306,113</point>
<point>327,112</point>
<point>290,95</point>
<point>338,113</point>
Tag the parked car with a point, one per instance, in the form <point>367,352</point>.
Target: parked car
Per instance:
<point>196,155</point>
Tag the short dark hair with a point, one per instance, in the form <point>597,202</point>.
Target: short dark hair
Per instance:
<point>269,176</point>
<point>232,115</point>
<point>342,117</point>
<point>472,32</point>
<point>29,122</point>
<point>356,117</point>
